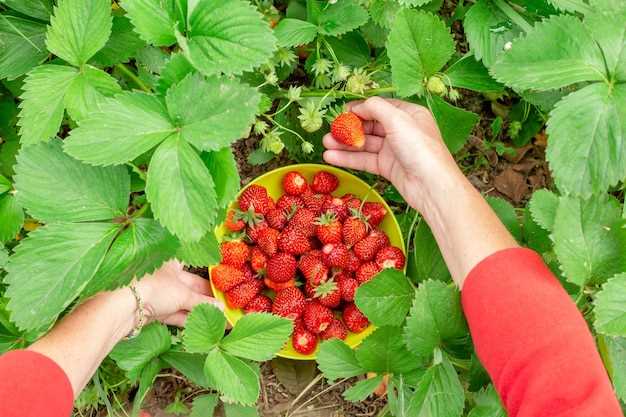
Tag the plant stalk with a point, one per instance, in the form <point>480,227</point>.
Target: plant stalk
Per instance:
<point>133,77</point>
<point>513,15</point>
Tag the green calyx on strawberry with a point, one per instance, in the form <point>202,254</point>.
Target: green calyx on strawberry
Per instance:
<point>347,128</point>
<point>328,294</point>
<point>328,229</point>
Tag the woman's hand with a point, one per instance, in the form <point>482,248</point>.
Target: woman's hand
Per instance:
<point>403,144</point>
<point>170,293</point>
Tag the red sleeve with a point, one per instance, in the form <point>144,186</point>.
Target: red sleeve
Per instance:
<point>533,341</point>
<point>32,385</point>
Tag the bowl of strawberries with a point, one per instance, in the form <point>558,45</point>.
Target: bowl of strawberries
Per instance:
<point>298,242</point>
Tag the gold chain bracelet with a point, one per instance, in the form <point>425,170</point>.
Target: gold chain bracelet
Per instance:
<point>141,313</point>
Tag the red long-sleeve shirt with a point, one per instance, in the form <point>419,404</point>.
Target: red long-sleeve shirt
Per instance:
<point>529,335</point>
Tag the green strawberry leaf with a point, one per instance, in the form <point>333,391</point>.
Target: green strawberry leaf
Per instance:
<point>204,252</point>
<point>4,257</point>
<point>123,129</point>
<point>88,91</point>
<point>587,146</point>
<point>342,17</point>
<point>337,360</point>
<point>52,186</point>
<point>5,184</point>
<point>176,69</point>
<point>181,191</point>
<point>233,377</point>
<point>435,318</point>
<point>140,249</point>
<point>189,364</point>
<point>469,73</point>
<point>606,25</point>
<point>488,30</point>
<point>384,351</point>
<point>60,279</point>
<point>487,404</point>
<point>294,32</point>
<point>589,239</point>
<point>257,336</point>
<point>11,217</point>
<point>204,329</point>
<point>426,261</point>
<point>227,36</point>
<point>543,205</point>
<point>156,23</point>
<point>204,405</point>
<point>439,392</point>
<point>455,123</point>
<point>570,57</point>
<point>23,46</point>
<point>43,103</point>
<point>134,354</point>
<point>146,379</point>
<point>225,173</point>
<point>506,212</point>
<point>219,121</point>
<point>237,410</point>
<point>362,389</point>
<point>123,44</point>
<point>610,307</point>
<point>39,9</point>
<point>419,45</point>
<point>78,29</point>
<point>615,362</point>
<point>386,299</point>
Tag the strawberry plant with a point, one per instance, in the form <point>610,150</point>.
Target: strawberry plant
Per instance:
<point>117,125</point>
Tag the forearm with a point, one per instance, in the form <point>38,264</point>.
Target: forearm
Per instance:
<point>80,341</point>
<point>464,225</point>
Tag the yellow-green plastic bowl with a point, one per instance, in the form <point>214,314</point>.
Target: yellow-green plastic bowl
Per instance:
<point>348,183</point>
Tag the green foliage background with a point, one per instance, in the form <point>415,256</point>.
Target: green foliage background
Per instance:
<point>116,125</point>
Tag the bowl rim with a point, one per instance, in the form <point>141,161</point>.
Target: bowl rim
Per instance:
<point>339,172</point>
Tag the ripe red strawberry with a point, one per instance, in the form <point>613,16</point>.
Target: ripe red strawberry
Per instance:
<point>367,271</point>
<point>235,253</point>
<point>254,230</point>
<point>353,262</point>
<point>367,248</point>
<point>293,241</point>
<point>314,202</point>
<point>259,304</point>
<point>281,267</point>
<point>313,268</point>
<point>347,197</point>
<point>337,207</point>
<point>303,341</point>
<point>267,240</point>
<point>276,218</point>
<point>248,273</point>
<point>316,317</point>
<point>324,182</point>
<point>304,220</point>
<point>353,203</point>
<point>289,203</point>
<point>347,128</point>
<point>226,277</point>
<point>328,294</point>
<point>347,287</point>
<point>277,286</point>
<point>374,212</point>
<point>354,230</point>
<point>243,293</point>
<point>294,183</point>
<point>255,196</point>
<point>390,257</point>
<point>336,255</point>
<point>289,303</point>
<point>328,229</point>
<point>258,260</point>
<point>233,222</point>
<point>335,329</point>
<point>355,321</point>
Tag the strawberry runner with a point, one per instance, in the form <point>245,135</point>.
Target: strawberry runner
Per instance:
<point>527,331</point>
